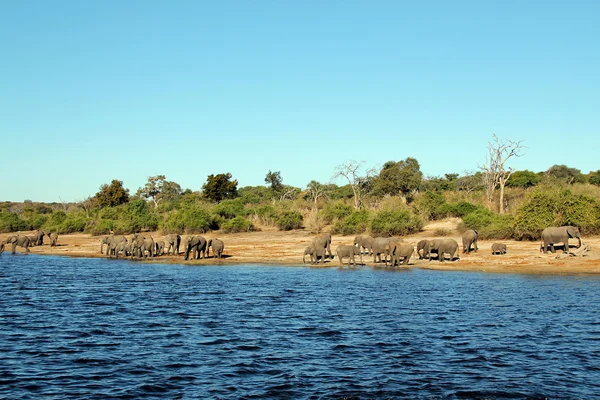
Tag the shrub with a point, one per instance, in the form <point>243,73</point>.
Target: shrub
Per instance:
<point>478,219</point>
<point>230,208</point>
<point>188,220</point>
<point>355,223</point>
<point>238,224</point>
<point>459,209</point>
<point>488,224</point>
<point>266,215</point>
<point>336,211</point>
<point>442,232</point>
<point>430,205</point>
<point>289,220</point>
<point>395,223</point>
<point>10,222</point>
<point>100,227</point>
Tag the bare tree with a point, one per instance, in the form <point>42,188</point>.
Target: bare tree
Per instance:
<point>351,171</point>
<point>315,191</point>
<point>495,174</point>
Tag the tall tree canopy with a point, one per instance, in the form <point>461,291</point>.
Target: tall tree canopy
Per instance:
<point>159,188</point>
<point>220,187</point>
<point>275,181</point>
<point>399,178</point>
<point>567,174</point>
<point>112,195</point>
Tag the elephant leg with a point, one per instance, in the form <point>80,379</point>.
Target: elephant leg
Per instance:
<point>14,247</point>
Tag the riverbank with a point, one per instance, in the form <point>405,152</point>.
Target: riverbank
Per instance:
<point>274,247</point>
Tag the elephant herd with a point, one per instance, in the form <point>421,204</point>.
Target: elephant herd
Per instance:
<point>26,242</point>
<point>394,251</point>
<point>141,246</point>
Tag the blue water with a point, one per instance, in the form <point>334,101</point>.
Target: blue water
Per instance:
<point>94,328</point>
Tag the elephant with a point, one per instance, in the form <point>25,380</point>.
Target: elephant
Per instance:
<point>1,248</point>
<point>498,248</point>
<point>123,247</point>
<point>323,241</point>
<point>442,247</point>
<point>160,248</point>
<point>469,238</point>
<point>32,241</point>
<point>140,245</point>
<point>553,235</point>
<point>172,243</point>
<point>217,247</point>
<point>18,240</point>
<point>309,250</point>
<point>39,238</point>
<point>398,250</point>
<point>111,239</point>
<point>380,245</point>
<point>53,238</point>
<point>348,251</point>
<point>196,245</point>
<point>420,247</point>
<point>364,242</point>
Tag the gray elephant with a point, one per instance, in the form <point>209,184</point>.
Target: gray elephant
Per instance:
<point>53,238</point>
<point>398,251</point>
<point>217,247</point>
<point>140,245</point>
<point>553,235</point>
<point>323,241</point>
<point>1,248</point>
<point>107,240</point>
<point>380,246</point>
<point>469,238</point>
<point>18,240</point>
<point>364,242</point>
<point>310,251</point>
<point>32,241</point>
<point>38,238</point>
<point>172,243</point>
<point>498,248</point>
<point>441,247</point>
<point>160,248</point>
<point>124,248</point>
<point>197,246</point>
<point>348,251</point>
<point>420,247</point>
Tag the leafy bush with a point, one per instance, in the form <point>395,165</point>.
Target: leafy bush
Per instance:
<point>100,227</point>
<point>458,209</point>
<point>238,224</point>
<point>230,208</point>
<point>395,223</point>
<point>430,205</point>
<point>556,208</point>
<point>188,220</point>
<point>289,220</point>
<point>355,223</point>
<point>336,211</point>
<point>10,222</point>
<point>488,224</point>
<point>266,215</point>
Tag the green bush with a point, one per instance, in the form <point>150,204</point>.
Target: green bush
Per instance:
<point>336,211</point>
<point>289,220</point>
<point>230,208</point>
<point>101,227</point>
<point>395,223</point>
<point>355,223</point>
<point>430,205</point>
<point>267,215</point>
<point>459,209</point>
<point>488,224</point>
<point>10,222</point>
<point>138,217</point>
<point>556,208</point>
<point>237,224</point>
<point>478,219</point>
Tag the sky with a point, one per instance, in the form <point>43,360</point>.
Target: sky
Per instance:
<point>96,91</point>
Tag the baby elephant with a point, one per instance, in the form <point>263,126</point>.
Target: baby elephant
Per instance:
<point>498,248</point>
<point>160,248</point>
<point>217,247</point>
<point>348,251</point>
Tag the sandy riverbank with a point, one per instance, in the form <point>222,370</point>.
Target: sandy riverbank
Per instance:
<point>286,248</point>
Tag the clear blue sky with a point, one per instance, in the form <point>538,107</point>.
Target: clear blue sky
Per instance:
<point>91,91</point>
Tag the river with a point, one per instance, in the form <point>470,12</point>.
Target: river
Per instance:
<point>94,328</point>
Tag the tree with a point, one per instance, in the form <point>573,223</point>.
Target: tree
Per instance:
<point>495,172</point>
<point>351,171</point>
<point>399,178</point>
<point>274,180</point>
<point>112,195</point>
<point>315,191</point>
<point>523,179</point>
<point>220,187</point>
<point>470,182</point>
<point>566,174</point>
<point>594,178</point>
<point>159,188</point>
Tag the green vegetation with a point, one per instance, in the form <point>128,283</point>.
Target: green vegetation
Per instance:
<point>397,200</point>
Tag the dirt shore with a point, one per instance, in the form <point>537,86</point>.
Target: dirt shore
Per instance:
<point>286,248</point>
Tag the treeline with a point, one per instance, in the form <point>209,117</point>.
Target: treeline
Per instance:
<point>395,200</point>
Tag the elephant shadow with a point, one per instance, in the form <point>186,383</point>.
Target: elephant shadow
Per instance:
<point>222,256</point>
